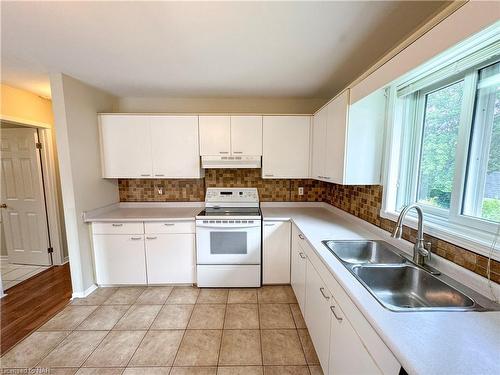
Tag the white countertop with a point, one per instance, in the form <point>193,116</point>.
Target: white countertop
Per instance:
<point>145,212</point>
<point>423,342</point>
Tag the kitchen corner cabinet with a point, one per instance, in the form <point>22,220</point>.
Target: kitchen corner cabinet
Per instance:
<point>285,152</point>
<point>231,135</point>
<point>145,146</point>
<point>347,140</point>
<point>276,252</point>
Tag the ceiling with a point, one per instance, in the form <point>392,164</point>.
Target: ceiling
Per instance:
<point>202,49</point>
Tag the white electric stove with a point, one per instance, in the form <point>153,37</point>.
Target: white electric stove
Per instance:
<point>228,239</point>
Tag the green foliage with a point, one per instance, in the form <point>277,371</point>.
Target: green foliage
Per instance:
<point>491,209</point>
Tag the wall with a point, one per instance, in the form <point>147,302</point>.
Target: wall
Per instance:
<point>362,201</point>
<point>25,107</point>
<point>220,105</point>
<point>75,108</point>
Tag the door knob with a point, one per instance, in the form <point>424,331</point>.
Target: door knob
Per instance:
<point>3,205</point>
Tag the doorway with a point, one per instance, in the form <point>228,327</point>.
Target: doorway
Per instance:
<point>26,241</point>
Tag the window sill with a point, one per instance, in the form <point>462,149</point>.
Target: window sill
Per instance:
<point>472,239</point>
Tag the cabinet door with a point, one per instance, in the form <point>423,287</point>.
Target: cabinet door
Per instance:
<point>318,315</point>
<point>345,345</point>
<point>286,146</point>
<point>119,259</point>
<point>298,274</point>
<point>170,258</point>
<point>276,252</point>
<point>125,146</point>
<point>175,150</point>
<point>319,144</point>
<point>336,138</point>
<point>246,135</point>
<point>215,135</point>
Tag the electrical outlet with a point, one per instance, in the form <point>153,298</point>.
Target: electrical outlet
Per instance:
<point>159,189</point>
<point>301,191</point>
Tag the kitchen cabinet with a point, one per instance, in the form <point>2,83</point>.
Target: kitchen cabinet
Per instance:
<point>347,140</point>
<point>215,135</point>
<point>276,252</point>
<point>170,258</point>
<point>174,146</point>
<point>298,268</point>
<point>344,341</point>
<point>285,151</point>
<point>318,314</point>
<point>119,259</point>
<point>142,146</point>
<point>230,135</point>
<point>125,146</point>
<point>246,135</point>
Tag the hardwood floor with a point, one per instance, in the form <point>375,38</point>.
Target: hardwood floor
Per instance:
<point>30,304</point>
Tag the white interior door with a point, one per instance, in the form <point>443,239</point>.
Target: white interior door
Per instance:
<point>23,216</point>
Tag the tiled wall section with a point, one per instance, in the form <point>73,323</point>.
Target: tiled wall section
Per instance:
<point>365,203</point>
<point>193,190</point>
<point>361,201</point>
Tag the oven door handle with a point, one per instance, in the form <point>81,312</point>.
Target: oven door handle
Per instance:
<point>228,226</point>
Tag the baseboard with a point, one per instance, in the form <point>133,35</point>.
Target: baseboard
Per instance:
<point>84,293</point>
<point>65,260</point>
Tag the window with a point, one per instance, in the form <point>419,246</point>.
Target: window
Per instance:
<point>444,147</point>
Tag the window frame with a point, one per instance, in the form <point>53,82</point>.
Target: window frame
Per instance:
<point>452,225</point>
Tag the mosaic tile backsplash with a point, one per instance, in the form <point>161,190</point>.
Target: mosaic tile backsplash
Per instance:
<point>361,201</point>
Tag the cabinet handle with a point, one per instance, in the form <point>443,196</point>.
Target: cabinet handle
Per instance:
<point>145,175</point>
<point>151,238</point>
<point>326,178</point>
<point>136,238</point>
<point>320,176</point>
<point>169,224</point>
<point>268,175</point>
<point>117,225</point>
<point>322,290</point>
<point>269,225</point>
<point>301,236</point>
<point>223,152</point>
<point>159,175</point>
<point>332,308</point>
<point>302,256</point>
<point>237,152</point>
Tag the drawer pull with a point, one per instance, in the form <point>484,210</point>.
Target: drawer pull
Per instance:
<point>223,152</point>
<point>169,224</point>
<point>151,238</point>
<point>301,236</point>
<point>302,256</point>
<point>332,308</point>
<point>136,238</point>
<point>269,225</point>
<point>269,175</point>
<point>117,225</point>
<point>145,175</point>
<point>237,152</point>
<point>322,290</point>
<point>159,175</point>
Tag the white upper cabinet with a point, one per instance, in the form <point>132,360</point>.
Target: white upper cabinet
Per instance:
<point>246,135</point>
<point>231,135</point>
<point>137,146</point>
<point>286,146</point>
<point>215,135</point>
<point>174,144</point>
<point>347,140</point>
<point>125,146</point>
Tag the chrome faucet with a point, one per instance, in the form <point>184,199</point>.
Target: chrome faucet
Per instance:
<point>420,253</point>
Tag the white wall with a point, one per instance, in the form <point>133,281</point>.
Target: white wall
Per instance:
<point>220,105</point>
<point>75,106</point>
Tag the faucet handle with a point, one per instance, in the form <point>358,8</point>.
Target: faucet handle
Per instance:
<point>428,247</point>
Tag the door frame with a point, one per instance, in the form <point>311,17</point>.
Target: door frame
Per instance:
<point>50,184</point>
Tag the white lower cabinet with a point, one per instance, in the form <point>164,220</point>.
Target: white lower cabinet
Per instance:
<point>170,258</point>
<point>344,343</point>
<point>119,259</point>
<point>276,252</point>
<point>318,315</point>
<point>298,269</point>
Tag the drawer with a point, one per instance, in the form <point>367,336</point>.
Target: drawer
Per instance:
<point>118,228</point>
<point>170,227</point>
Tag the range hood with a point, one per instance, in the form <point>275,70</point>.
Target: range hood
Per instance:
<point>230,162</point>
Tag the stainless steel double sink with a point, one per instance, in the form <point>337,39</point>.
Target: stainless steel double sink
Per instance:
<point>395,281</point>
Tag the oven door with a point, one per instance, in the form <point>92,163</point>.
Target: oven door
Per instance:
<point>228,242</point>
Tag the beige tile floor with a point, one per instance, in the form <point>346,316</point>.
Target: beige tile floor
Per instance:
<point>173,330</point>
